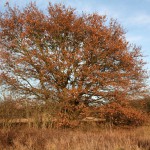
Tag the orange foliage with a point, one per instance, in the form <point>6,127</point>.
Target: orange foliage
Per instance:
<point>123,115</point>
<point>67,58</point>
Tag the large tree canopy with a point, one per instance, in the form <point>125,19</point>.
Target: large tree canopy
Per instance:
<point>63,56</point>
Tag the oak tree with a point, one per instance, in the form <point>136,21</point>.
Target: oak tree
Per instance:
<point>62,56</point>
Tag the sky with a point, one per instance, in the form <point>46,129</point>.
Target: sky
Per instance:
<point>133,15</point>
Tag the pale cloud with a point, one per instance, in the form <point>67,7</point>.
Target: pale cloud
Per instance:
<point>140,19</point>
<point>109,12</point>
<point>133,38</point>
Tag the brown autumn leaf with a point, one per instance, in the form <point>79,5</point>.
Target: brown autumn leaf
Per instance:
<point>65,57</point>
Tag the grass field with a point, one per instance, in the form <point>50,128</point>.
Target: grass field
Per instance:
<point>79,139</point>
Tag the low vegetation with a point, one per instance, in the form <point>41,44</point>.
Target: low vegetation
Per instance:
<point>123,128</point>
<point>51,115</point>
<point>93,139</point>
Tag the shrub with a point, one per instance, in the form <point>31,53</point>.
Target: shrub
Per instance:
<point>147,104</point>
<point>117,114</point>
<point>142,104</point>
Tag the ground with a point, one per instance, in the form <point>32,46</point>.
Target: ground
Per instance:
<point>108,138</point>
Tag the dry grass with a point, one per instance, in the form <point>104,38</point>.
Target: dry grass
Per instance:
<point>96,139</point>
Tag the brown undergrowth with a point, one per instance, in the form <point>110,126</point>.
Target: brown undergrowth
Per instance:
<point>79,139</point>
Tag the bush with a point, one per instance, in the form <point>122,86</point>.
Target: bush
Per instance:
<point>70,115</point>
<point>142,104</point>
<point>147,104</point>
<point>123,115</point>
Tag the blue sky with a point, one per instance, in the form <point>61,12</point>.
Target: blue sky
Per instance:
<point>133,15</point>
